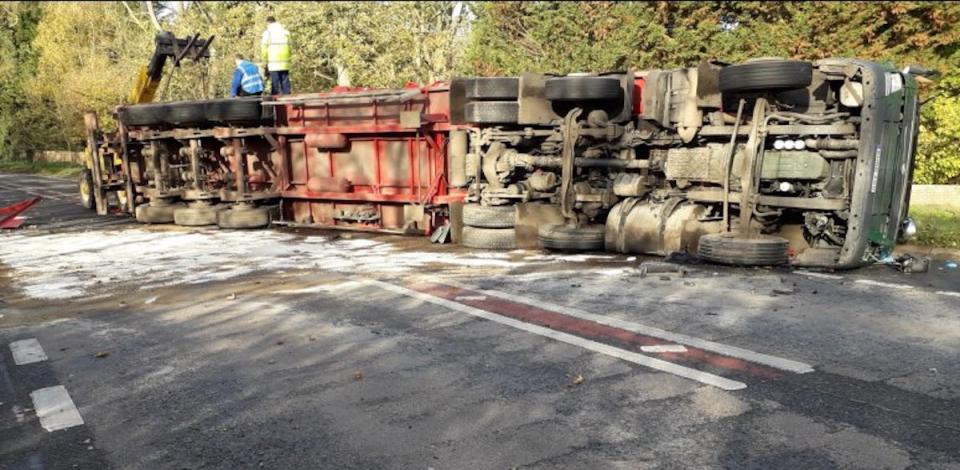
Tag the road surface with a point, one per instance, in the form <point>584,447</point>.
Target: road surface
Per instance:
<point>125,346</point>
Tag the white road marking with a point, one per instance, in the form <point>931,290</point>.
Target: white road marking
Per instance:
<point>55,408</point>
<point>27,351</point>
<point>470,297</point>
<point>629,356</point>
<point>706,345</point>
<point>948,293</point>
<point>870,282</point>
<point>664,348</point>
<point>818,275</point>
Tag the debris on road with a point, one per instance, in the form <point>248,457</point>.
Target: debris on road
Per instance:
<point>232,296</point>
<point>10,215</point>
<point>357,375</point>
<point>101,354</point>
<point>150,300</point>
<point>577,380</point>
<point>660,267</point>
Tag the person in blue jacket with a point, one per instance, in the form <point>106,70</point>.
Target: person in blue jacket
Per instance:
<point>246,79</point>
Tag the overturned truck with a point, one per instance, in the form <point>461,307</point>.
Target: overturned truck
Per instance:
<point>762,163</point>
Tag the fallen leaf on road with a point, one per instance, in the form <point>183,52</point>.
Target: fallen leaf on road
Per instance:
<point>102,354</point>
<point>578,379</point>
<point>357,375</point>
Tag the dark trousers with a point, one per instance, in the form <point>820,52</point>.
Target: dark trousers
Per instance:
<point>241,93</point>
<point>280,82</point>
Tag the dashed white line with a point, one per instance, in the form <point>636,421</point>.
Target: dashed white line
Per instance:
<point>27,351</point>
<point>629,356</point>
<point>706,345</point>
<point>55,408</point>
<point>871,282</point>
<point>664,348</point>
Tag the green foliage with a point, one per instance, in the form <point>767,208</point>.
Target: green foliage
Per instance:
<point>937,226</point>
<point>40,168</point>
<point>60,59</point>
<point>25,126</point>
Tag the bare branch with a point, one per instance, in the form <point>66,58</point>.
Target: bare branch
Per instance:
<point>133,16</point>
<point>153,16</point>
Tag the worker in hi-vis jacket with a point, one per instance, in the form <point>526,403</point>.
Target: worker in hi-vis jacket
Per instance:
<point>246,79</point>
<point>275,52</point>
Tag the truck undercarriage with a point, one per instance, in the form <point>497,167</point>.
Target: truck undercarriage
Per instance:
<point>762,163</point>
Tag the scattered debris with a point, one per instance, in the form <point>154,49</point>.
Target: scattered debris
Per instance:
<point>689,283</point>
<point>660,267</point>
<point>150,300</point>
<point>784,291</point>
<point>280,343</point>
<point>123,304</point>
<point>357,375</point>
<point>577,380</point>
<point>664,278</point>
<point>101,354</point>
<point>934,371</point>
<point>232,296</point>
<point>664,348</point>
<point>907,263</point>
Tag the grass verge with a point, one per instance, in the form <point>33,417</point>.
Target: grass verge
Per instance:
<point>937,226</point>
<point>40,168</point>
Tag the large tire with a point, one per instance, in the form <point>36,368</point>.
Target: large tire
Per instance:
<point>187,113</point>
<point>766,75</point>
<point>475,215</point>
<point>156,212</point>
<point>565,237</point>
<point>86,189</point>
<point>489,238</point>
<point>144,114</point>
<point>234,110</point>
<point>491,112</point>
<point>725,248</point>
<point>492,88</point>
<point>243,217</point>
<point>582,88</point>
<point>197,215</point>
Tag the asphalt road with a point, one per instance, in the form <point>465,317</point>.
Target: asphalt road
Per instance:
<point>162,347</point>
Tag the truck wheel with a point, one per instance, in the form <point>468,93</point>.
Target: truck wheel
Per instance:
<point>156,212</point>
<point>197,214</point>
<point>725,248</point>
<point>234,110</point>
<point>565,237</point>
<point>492,88</point>
<point>582,88</point>
<point>491,112</point>
<point>144,114</point>
<point>475,215</point>
<point>489,238</point>
<point>243,216</point>
<point>769,74</point>
<point>187,112</point>
<point>86,189</point>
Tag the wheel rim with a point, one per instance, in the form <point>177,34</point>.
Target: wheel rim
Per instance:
<point>84,189</point>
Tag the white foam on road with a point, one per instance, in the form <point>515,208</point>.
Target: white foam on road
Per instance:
<point>27,351</point>
<point>55,408</point>
<point>629,356</point>
<point>706,345</point>
<point>73,264</point>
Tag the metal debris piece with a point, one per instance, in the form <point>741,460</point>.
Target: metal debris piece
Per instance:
<point>660,267</point>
